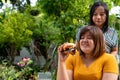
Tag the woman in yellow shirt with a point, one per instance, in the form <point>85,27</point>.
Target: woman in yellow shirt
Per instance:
<point>90,61</point>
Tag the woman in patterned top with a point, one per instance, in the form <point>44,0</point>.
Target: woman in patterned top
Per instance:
<point>90,61</point>
<point>99,16</point>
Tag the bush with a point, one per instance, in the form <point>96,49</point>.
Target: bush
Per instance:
<point>18,72</point>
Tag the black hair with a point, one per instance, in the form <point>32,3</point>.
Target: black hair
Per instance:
<point>92,10</point>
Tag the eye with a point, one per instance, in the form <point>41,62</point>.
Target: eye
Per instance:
<point>82,37</point>
<point>89,37</point>
<point>94,14</point>
<point>102,14</point>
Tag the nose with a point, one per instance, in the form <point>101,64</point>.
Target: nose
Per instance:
<point>85,39</point>
<point>98,16</point>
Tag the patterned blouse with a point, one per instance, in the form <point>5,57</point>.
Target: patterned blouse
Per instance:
<point>111,38</point>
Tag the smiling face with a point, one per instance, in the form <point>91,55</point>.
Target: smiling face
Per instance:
<point>99,16</point>
<point>86,43</point>
<point>91,42</point>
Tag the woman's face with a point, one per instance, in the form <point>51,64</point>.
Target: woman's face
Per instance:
<point>99,16</point>
<point>87,43</point>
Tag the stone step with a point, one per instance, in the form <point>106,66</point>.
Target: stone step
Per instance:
<point>44,76</point>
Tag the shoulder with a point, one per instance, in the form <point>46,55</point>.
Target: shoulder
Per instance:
<point>111,29</point>
<point>110,63</point>
<point>111,32</point>
<point>108,58</point>
<point>73,58</point>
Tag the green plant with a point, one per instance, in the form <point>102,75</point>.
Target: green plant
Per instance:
<point>15,72</point>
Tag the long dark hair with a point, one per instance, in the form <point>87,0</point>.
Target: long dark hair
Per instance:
<point>92,10</point>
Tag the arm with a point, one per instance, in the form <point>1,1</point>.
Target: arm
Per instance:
<point>110,68</point>
<point>114,51</point>
<point>111,39</point>
<point>62,72</point>
<point>109,76</point>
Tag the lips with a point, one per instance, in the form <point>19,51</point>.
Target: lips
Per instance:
<point>98,21</point>
<point>85,44</point>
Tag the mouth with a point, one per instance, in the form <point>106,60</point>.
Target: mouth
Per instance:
<point>98,21</point>
<point>85,45</point>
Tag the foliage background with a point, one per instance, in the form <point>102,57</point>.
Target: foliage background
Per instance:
<point>49,21</point>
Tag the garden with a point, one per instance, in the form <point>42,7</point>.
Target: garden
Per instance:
<point>40,29</point>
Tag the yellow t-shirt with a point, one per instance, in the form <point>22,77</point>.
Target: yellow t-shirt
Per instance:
<point>105,63</point>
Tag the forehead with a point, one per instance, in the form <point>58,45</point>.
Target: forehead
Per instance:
<point>99,9</point>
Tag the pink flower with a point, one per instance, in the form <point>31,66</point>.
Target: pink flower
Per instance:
<point>24,62</point>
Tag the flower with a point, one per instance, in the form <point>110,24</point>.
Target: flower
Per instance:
<point>25,61</point>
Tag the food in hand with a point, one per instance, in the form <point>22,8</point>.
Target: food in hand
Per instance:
<point>69,51</point>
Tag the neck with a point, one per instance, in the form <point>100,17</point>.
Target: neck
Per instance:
<point>100,27</point>
<point>88,57</point>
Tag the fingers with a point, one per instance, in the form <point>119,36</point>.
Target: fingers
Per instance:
<point>62,48</point>
<point>63,53</point>
<point>68,45</point>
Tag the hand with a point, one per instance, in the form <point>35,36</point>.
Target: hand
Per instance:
<point>62,54</point>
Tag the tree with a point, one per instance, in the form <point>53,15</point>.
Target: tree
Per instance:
<point>67,15</point>
<point>19,5</point>
<point>15,32</point>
